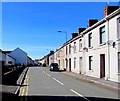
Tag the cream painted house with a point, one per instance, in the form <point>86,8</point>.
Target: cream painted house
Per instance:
<point>29,61</point>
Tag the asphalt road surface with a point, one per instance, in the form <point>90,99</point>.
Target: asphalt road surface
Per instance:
<point>42,84</point>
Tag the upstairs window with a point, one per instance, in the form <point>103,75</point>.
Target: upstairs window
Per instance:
<point>118,21</point>
<point>74,47</point>
<point>80,44</point>
<point>69,49</point>
<point>102,35</point>
<point>90,40</point>
<point>66,50</point>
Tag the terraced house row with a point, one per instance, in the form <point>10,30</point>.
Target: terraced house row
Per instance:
<point>94,51</point>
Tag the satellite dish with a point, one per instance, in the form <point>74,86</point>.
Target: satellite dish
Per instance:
<point>110,42</point>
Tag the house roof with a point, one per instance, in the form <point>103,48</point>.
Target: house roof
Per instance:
<point>11,57</point>
<point>19,49</point>
<point>6,52</point>
<point>116,12</point>
<point>29,57</point>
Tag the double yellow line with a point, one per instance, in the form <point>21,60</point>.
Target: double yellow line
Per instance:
<point>24,88</point>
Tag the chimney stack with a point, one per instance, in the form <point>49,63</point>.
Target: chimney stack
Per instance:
<point>74,35</point>
<point>51,51</point>
<point>109,9</point>
<point>80,30</point>
<point>92,22</point>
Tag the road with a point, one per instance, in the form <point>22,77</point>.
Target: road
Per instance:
<point>42,83</point>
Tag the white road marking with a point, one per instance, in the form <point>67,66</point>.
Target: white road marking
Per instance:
<point>8,72</point>
<point>23,91</point>
<point>49,75</point>
<point>78,94</point>
<point>58,81</point>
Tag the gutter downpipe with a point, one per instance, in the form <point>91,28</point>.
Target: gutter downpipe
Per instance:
<point>108,51</point>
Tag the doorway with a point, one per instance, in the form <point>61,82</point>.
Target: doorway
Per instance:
<point>80,64</point>
<point>69,64</point>
<point>102,65</point>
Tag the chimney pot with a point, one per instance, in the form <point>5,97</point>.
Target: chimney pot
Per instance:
<point>74,35</point>
<point>92,22</point>
<point>80,30</point>
<point>109,9</point>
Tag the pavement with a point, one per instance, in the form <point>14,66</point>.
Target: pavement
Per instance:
<point>107,83</point>
<point>13,89</point>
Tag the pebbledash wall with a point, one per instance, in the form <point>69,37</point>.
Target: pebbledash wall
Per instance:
<point>95,51</point>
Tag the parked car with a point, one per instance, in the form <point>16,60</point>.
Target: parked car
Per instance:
<point>44,65</point>
<point>54,66</point>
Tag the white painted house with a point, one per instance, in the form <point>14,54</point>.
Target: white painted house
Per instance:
<point>10,60</point>
<point>19,55</point>
<point>6,59</point>
<point>94,51</point>
<point>101,41</point>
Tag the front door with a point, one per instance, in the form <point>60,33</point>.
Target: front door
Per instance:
<point>69,64</point>
<point>66,64</point>
<point>80,63</point>
<point>102,65</point>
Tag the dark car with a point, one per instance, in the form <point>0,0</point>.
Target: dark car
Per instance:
<point>54,67</point>
<point>44,65</point>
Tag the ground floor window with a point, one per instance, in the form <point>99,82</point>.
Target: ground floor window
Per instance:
<point>9,62</point>
<point>74,62</point>
<point>90,62</point>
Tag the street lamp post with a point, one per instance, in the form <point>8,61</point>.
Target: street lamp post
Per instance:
<point>66,46</point>
<point>65,34</point>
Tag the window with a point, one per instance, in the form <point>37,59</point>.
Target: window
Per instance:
<point>69,49</point>
<point>58,54</point>
<point>118,28</point>
<point>66,50</point>
<point>9,62</point>
<point>74,62</point>
<point>90,62</point>
<point>74,47</point>
<point>80,44</point>
<point>119,62</point>
<point>90,40</point>
<point>102,35</point>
